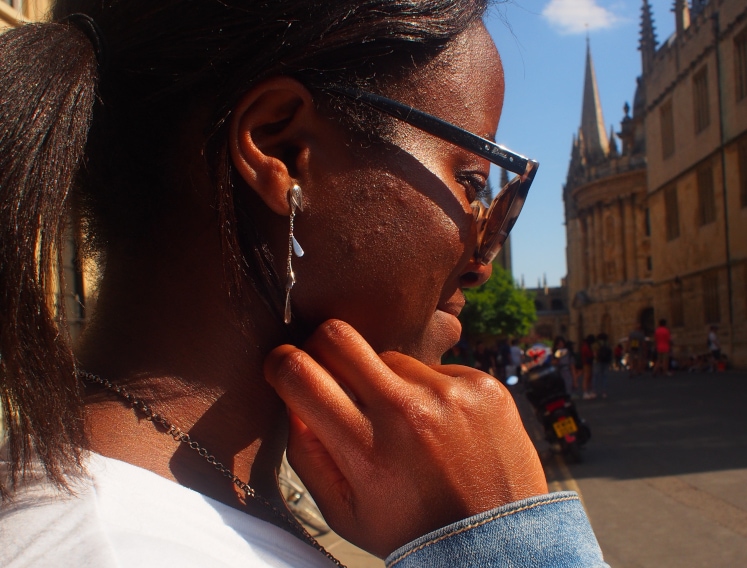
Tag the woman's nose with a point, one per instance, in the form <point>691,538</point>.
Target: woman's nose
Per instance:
<point>475,274</point>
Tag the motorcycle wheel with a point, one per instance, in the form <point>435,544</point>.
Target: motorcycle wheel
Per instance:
<point>573,450</point>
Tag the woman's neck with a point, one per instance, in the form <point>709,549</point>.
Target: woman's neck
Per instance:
<point>165,328</point>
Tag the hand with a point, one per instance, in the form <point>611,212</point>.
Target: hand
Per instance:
<point>392,449</point>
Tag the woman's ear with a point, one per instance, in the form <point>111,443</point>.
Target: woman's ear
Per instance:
<point>269,138</point>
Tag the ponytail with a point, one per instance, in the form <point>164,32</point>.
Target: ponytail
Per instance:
<point>48,74</point>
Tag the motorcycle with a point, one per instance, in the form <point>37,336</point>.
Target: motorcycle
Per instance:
<point>566,431</point>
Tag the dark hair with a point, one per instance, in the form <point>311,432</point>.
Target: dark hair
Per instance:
<point>662,322</point>
<point>96,149</point>
<point>557,340</point>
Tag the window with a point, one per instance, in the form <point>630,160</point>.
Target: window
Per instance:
<point>672,213</point>
<point>700,100</point>
<point>706,198</point>
<point>666,119</point>
<point>740,60</point>
<point>676,307</point>
<point>742,158</point>
<point>647,227</point>
<point>711,308</point>
<point>649,263</point>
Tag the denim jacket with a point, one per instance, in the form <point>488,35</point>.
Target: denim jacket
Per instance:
<point>547,531</point>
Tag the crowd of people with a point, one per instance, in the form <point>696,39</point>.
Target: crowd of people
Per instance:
<point>656,353</point>
<point>585,370</point>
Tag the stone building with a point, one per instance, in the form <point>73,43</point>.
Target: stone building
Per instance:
<point>696,134</point>
<point>14,12</point>
<point>608,251</point>
<point>551,304</point>
<point>76,288</point>
<point>658,229</point>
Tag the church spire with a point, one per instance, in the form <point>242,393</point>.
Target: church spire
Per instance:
<point>681,15</point>
<point>648,42</point>
<point>592,131</point>
<point>697,7</point>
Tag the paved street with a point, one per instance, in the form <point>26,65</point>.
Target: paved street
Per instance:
<point>665,474</point>
<point>664,477</point>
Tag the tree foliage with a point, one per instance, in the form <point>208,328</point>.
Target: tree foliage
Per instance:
<point>498,307</point>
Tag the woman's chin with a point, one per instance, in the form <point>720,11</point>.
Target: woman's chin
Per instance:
<point>443,333</point>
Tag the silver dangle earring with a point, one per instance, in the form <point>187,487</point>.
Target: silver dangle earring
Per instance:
<point>295,199</point>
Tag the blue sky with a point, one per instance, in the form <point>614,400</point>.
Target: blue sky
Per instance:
<point>543,46</point>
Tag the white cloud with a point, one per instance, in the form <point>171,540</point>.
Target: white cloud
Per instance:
<point>578,16</point>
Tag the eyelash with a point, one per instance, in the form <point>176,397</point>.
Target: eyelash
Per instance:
<point>477,186</point>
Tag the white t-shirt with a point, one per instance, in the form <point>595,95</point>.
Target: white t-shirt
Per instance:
<point>125,516</point>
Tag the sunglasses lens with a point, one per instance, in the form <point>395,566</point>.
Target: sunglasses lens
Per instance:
<point>500,219</point>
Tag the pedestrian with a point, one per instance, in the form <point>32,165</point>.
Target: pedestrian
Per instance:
<point>195,146</point>
<point>602,361</point>
<point>663,346</point>
<point>636,347</point>
<point>578,368</point>
<point>563,360</point>
<point>618,357</point>
<point>714,348</point>
<point>484,359</point>
<point>504,353</point>
<point>516,358</point>
<point>587,357</point>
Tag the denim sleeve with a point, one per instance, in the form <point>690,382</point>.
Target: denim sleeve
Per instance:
<point>547,531</point>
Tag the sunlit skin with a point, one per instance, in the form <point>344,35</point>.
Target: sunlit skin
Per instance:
<point>389,238</point>
<point>399,231</point>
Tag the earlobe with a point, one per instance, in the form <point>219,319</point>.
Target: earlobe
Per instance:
<point>268,139</point>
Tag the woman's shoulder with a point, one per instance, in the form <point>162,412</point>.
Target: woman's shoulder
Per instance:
<point>119,514</point>
<point>40,522</point>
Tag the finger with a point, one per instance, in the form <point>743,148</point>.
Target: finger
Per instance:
<point>350,359</point>
<point>417,372</point>
<point>311,393</point>
<point>317,469</point>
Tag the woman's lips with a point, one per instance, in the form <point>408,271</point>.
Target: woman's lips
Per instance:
<point>449,311</point>
<point>452,307</point>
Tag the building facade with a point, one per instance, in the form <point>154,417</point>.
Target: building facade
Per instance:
<point>15,12</point>
<point>609,245</point>
<point>659,230</point>
<point>75,290</point>
<point>553,316</point>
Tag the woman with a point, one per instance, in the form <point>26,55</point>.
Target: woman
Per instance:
<point>587,356</point>
<point>201,146</point>
<point>563,358</point>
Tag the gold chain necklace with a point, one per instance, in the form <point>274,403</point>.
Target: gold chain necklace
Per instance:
<point>180,436</point>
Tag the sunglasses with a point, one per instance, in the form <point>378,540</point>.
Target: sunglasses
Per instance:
<point>494,221</point>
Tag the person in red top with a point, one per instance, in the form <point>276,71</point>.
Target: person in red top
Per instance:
<point>663,344</point>
<point>587,357</point>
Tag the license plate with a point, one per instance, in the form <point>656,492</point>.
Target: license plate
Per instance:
<point>565,426</point>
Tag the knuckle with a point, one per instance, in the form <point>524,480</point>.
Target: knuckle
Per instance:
<point>287,364</point>
<point>334,331</point>
<point>422,414</point>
